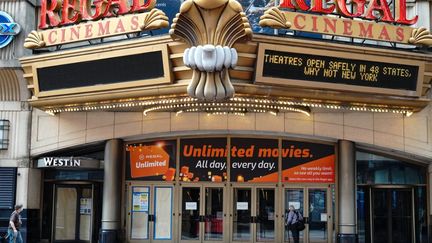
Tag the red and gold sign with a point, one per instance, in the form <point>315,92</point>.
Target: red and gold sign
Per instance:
<point>396,32</point>
<point>97,22</point>
<point>55,13</point>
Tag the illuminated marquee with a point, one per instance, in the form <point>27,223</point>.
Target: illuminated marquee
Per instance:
<point>72,20</point>
<point>360,9</point>
<point>55,13</point>
<point>368,28</point>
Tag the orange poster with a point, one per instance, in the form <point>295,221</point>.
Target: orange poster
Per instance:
<point>317,171</point>
<point>148,161</point>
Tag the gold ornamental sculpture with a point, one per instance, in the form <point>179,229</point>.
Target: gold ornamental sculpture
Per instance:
<point>211,28</point>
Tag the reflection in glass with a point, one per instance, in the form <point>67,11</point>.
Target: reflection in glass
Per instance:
<point>190,213</point>
<point>265,214</point>
<point>363,216</point>
<point>318,215</point>
<point>421,214</point>
<point>374,169</point>
<point>214,214</point>
<point>253,10</point>
<point>242,214</point>
<point>392,215</point>
<point>293,197</point>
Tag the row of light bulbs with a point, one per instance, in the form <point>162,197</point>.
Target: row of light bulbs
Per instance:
<point>238,105</point>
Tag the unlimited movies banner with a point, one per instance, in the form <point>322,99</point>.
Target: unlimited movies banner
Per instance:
<point>251,160</point>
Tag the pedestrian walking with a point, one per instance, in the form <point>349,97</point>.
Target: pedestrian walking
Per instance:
<point>14,234</point>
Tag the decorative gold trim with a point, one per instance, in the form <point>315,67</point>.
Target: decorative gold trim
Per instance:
<point>274,18</point>
<point>421,36</point>
<point>211,28</point>
<point>126,24</point>
<point>34,40</point>
<point>156,19</point>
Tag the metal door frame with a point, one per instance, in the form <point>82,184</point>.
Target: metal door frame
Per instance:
<point>54,209</point>
<point>253,207</point>
<point>202,186</point>
<point>329,208</point>
<point>152,194</point>
<point>390,187</point>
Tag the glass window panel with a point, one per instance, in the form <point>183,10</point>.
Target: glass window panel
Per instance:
<point>85,227</point>
<point>190,213</point>
<point>420,214</point>
<point>265,214</point>
<point>374,169</point>
<point>317,215</point>
<point>242,214</point>
<point>294,197</point>
<point>214,214</point>
<point>86,207</point>
<point>140,213</point>
<point>66,210</point>
<point>163,213</point>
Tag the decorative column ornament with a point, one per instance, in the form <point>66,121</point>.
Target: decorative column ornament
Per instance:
<point>211,28</point>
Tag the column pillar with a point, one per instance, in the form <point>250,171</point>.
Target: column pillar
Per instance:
<point>111,214</point>
<point>347,193</point>
<point>430,197</point>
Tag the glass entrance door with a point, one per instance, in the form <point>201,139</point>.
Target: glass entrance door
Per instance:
<point>150,213</point>
<point>202,213</point>
<point>314,204</point>
<point>392,215</point>
<point>73,213</point>
<point>253,214</point>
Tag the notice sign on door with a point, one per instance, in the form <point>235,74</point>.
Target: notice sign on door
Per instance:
<point>140,202</point>
<point>85,206</point>
<point>242,206</point>
<point>304,162</point>
<point>191,206</point>
<point>152,161</point>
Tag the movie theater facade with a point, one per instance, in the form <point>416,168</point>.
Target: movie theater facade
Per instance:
<point>210,132</point>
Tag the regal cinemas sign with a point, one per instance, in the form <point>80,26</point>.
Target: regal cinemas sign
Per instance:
<point>361,19</point>
<point>67,21</point>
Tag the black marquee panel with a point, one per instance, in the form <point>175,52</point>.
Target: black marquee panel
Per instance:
<point>102,72</point>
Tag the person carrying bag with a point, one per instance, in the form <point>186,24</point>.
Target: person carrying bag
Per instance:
<point>294,222</point>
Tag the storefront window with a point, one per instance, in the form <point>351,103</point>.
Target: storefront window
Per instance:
<point>374,169</point>
<point>391,200</point>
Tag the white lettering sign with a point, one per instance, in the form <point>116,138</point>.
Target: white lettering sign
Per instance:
<point>62,162</point>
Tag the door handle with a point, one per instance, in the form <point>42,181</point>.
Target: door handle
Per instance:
<point>253,219</point>
<point>151,218</point>
<point>202,218</point>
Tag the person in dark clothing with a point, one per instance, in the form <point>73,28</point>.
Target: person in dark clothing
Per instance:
<point>14,235</point>
<point>291,218</point>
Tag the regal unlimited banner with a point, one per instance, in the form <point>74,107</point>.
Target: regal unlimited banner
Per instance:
<point>304,162</point>
<point>154,161</point>
<point>203,159</point>
<point>254,160</point>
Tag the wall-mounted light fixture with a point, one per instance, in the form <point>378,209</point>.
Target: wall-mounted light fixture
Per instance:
<point>4,134</point>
